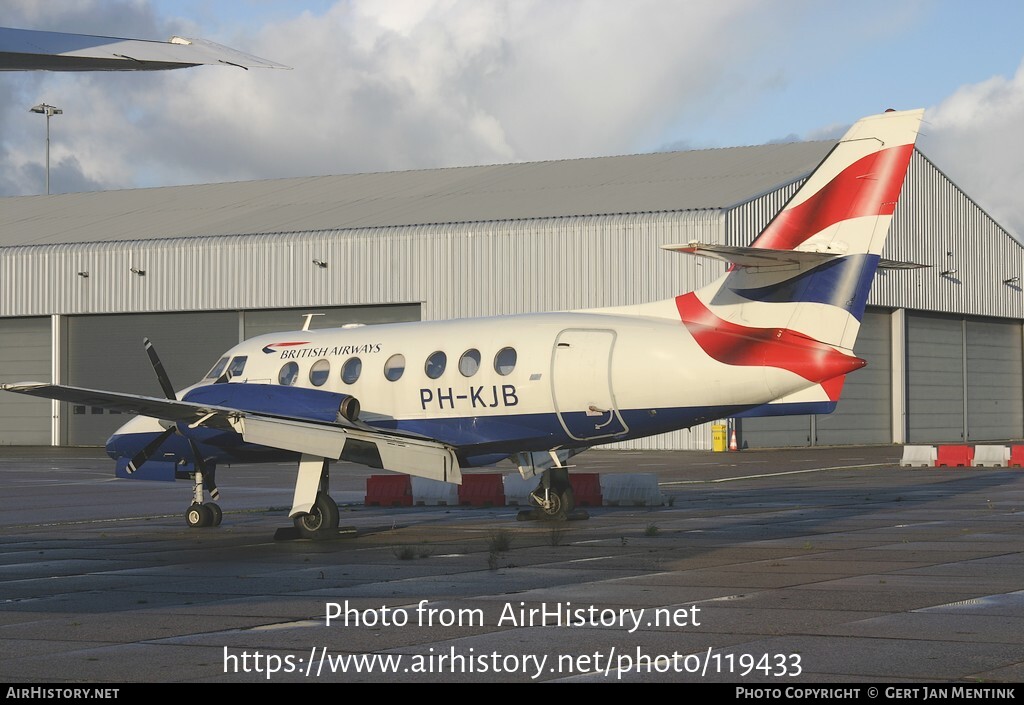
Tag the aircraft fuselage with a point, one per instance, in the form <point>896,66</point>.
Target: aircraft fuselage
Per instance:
<point>492,387</point>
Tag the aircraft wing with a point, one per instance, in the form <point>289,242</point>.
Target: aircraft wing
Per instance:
<point>343,439</point>
<point>27,50</point>
<point>157,407</point>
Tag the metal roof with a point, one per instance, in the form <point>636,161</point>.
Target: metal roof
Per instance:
<point>665,181</point>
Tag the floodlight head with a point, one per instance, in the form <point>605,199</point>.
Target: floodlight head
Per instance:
<point>47,110</point>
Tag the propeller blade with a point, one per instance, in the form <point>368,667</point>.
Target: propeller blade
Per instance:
<point>143,455</point>
<point>209,483</point>
<point>158,367</point>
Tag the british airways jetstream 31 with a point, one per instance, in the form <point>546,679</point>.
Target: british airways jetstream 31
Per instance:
<point>773,335</point>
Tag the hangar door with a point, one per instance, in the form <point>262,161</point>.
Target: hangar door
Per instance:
<point>24,356</point>
<point>964,379</point>
<point>865,407</point>
<point>995,382</point>
<point>864,412</point>
<point>105,352</point>
<point>935,378</point>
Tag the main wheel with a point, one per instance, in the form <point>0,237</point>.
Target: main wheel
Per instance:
<point>554,507</point>
<point>199,515</point>
<point>568,500</point>
<point>560,503</point>
<point>216,512</point>
<point>322,519</point>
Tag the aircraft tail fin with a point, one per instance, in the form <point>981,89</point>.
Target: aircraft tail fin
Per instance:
<point>808,274</point>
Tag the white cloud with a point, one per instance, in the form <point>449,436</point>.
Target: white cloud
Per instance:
<point>975,136</point>
<point>397,85</point>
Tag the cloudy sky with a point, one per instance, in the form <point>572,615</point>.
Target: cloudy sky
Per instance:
<point>380,85</point>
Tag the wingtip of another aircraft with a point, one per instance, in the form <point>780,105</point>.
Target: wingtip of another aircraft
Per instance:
<point>234,56</point>
<point>29,49</point>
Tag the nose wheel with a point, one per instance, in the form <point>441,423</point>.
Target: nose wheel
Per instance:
<point>202,514</point>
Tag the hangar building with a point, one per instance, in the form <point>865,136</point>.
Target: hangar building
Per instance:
<point>86,276</point>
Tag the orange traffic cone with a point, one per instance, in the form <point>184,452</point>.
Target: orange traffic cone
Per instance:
<point>732,441</point>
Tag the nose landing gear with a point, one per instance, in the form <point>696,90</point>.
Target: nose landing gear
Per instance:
<point>202,514</point>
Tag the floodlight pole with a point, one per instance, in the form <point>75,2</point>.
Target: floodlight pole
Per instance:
<point>48,111</point>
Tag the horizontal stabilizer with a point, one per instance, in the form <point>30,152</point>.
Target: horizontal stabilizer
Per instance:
<point>753,256</point>
<point>761,257</point>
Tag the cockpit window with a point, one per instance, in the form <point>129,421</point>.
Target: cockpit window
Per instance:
<point>218,369</point>
<point>288,374</point>
<point>237,366</point>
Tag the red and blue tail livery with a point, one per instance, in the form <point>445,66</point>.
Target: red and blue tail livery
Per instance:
<point>774,334</point>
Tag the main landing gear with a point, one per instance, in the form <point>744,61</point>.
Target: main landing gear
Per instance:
<point>322,519</point>
<point>554,496</point>
<point>314,513</point>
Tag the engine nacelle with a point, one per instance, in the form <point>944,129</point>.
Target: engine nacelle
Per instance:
<point>277,400</point>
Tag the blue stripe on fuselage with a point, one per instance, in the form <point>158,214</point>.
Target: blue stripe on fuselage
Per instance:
<point>473,437</point>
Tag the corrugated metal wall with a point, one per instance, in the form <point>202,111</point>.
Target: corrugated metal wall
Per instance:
<point>472,269</point>
<point>937,224</point>
<point>260,322</point>
<point>488,268</point>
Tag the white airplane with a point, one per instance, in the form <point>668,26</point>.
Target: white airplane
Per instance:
<point>773,335</point>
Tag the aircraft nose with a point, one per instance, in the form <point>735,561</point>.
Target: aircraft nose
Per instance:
<point>111,447</point>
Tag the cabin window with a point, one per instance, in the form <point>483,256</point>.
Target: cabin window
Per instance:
<point>218,369</point>
<point>237,366</point>
<point>319,373</point>
<point>505,361</point>
<point>289,373</point>
<point>351,370</point>
<point>436,364</point>
<point>469,363</point>
<point>394,368</point>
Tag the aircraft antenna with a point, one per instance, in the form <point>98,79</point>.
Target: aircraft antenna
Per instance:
<point>309,319</point>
